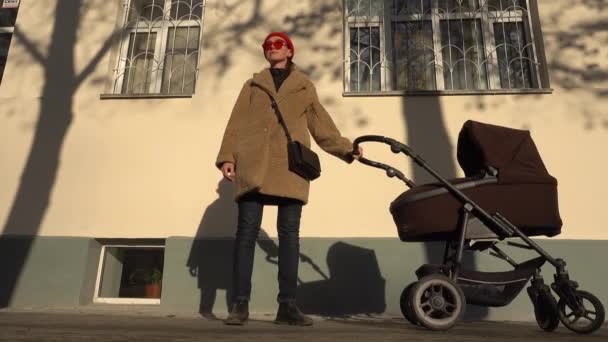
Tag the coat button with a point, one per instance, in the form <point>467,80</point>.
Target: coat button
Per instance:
<point>265,129</point>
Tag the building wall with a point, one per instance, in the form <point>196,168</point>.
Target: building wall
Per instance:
<point>75,167</point>
<point>144,167</point>
<point>60,272</point>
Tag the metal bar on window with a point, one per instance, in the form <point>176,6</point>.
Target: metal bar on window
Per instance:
<point>159,54</point>
<point>436,34</point>
<point>371,53</point>
<point>371,60</point>
<point>118,80</point>
<point>530,33</point>
<point>386,47</point>
<point>171,56</point>
<point>186,52</point>
<point>346,42</point>
<point>520,52</point>
<point>358,34</point>
<point>490,49</point>
<point>366,19</point>
<point>147,47</point>
<point>539,50</point>
<point>451,58</point>
<point>464,49</point>
<point>175,29</point>
<point>504,44</point>
<point>482,77</point>
<point>130,58</point>
<point>201,24</point>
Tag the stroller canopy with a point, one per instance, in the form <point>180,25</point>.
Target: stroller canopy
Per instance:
<point>511,151</point>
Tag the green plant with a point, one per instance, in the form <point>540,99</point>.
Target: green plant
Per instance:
<point>153,277</point>
<point>146,276</point>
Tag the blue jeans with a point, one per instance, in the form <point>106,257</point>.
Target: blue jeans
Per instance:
<point>288,226</point>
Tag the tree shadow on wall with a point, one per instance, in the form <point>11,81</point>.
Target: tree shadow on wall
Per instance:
<point>37,181</point>
<point>427,136</point>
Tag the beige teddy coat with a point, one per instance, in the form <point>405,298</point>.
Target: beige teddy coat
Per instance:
<point>256,143</point>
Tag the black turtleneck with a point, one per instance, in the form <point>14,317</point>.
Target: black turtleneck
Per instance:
<point>279,75</point>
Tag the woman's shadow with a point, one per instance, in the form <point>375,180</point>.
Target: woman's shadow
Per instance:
<point>353,271</point>
<point>210,258</point>
<point>211,254</point>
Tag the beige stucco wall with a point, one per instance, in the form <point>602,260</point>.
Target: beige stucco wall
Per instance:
<point>144,167</point>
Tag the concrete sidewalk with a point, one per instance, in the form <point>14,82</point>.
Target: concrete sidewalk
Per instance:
<point>113,325</point>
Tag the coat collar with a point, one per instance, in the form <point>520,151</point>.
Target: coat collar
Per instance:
<point>294,82</point>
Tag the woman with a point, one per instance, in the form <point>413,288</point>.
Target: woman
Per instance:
<point>253,154</point>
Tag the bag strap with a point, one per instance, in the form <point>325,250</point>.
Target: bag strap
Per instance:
<point>275,106</point>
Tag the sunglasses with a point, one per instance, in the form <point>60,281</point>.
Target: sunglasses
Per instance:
<point>277,45</point>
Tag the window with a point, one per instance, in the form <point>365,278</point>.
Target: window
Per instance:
<point>130,274</point>
<point>8,17</point>
<point>159,47</point>
<point>445,45</point>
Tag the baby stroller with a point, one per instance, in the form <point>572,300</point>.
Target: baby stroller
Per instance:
<point>507,193</point>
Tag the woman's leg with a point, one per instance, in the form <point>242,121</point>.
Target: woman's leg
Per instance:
<point>248,226</point>
<point>288,227</point>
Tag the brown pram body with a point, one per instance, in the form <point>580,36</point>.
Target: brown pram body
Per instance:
<point>507,193</point>
<point>523,191</point>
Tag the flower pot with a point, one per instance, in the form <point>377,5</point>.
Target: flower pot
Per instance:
<point>153,290</point>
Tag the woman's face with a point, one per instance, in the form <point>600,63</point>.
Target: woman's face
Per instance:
<point>274,55</point>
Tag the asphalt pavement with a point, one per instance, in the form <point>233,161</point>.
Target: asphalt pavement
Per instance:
<point>115,325</point>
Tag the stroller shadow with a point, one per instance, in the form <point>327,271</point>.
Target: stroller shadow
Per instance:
<point>354,285</point>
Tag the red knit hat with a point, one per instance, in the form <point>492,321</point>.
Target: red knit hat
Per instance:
<point>285,38</point>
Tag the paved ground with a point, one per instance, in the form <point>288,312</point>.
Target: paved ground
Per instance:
<point>78,325</point>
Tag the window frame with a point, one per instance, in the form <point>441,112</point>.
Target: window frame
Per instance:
<point>8,30</point>
<point>161,28</point>
<point>487,18</point>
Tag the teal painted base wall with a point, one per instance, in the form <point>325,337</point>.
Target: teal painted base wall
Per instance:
<point>337,276</point>
<point>47,271</point>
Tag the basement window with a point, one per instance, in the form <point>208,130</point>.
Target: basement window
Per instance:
<point>130,274</point>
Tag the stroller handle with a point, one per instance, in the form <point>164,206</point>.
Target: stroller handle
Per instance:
<point>396,147</point>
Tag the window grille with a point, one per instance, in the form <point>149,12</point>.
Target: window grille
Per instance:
<point>447,45</point>
<point>159,47</point>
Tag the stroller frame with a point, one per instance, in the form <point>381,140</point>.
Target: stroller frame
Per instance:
<point>548,311</point>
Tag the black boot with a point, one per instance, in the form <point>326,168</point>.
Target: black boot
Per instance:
<point>239,313</point>
<point>290,314</point>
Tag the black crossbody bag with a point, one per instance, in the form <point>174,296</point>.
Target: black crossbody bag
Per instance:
<point>302,160</point>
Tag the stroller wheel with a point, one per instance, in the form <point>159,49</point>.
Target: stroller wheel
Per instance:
<point>587,321</point>
<point>406,304</point>
<point>545,309</point>
<point>437,302</point>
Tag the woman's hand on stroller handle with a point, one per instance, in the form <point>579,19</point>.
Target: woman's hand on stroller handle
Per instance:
<point>396,147</point>
<point>357,152</point>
